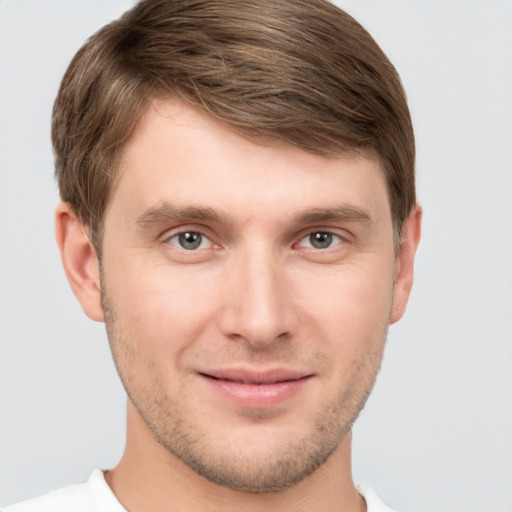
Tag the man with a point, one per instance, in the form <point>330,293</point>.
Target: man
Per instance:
<point>239,209</point>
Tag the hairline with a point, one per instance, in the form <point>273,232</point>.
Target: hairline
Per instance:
<point>267,140</point>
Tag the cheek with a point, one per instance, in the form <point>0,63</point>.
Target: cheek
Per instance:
<point>346,320</point>
<point>160,306</point>
<point>350,305</point>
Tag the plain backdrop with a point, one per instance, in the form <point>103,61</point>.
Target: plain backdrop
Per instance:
<point>436,435</point>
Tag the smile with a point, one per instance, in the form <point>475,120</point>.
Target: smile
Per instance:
<point>256,389</point>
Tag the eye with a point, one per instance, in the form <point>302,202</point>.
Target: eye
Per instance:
<point>320,240</point>
<point>190,240</point>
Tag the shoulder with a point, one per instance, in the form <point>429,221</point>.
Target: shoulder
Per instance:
<point>72,497</point>
<point>91,496</point>
<point>373,502</point>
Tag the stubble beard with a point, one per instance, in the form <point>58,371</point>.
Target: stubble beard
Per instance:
<point>237,468</point>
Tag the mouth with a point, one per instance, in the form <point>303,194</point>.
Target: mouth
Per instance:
<point>255,389</point>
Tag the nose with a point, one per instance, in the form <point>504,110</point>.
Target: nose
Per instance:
<point>258,302</point>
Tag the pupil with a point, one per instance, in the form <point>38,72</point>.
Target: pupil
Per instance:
<point>321,240</point>
<point>190,240</point>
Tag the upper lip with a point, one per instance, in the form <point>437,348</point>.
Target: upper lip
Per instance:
<point>248,376</point>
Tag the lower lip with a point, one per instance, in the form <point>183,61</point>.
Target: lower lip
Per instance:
<point>257,395</point>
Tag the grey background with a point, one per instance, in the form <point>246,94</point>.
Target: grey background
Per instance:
<point>437,432</point>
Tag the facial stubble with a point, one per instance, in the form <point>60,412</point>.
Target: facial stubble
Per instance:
<point>235,467</point>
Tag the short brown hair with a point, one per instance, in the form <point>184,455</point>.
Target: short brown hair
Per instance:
<point>299,71</point>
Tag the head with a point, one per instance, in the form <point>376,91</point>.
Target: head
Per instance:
<point>300,72</point>
<point>238,206</point>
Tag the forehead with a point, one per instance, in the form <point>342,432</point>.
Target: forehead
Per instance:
<point>180,156</point>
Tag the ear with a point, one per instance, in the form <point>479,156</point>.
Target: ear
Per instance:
<point>79,260</point>
<point>404,270</point>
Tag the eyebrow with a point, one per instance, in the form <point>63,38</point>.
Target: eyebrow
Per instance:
<point>165,212</point>
<point>345,213</point>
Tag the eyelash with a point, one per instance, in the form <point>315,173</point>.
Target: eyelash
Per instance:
<point>179,238</point>
<point>322,236</point>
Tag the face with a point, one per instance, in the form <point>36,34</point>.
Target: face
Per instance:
<point>247,291</point>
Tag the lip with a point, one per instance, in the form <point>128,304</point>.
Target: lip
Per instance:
<point>256,389</point>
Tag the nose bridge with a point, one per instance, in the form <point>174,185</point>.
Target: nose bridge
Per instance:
<point>258,308</point>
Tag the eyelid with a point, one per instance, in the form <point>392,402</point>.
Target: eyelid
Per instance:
<point>334,244</point>
<point>190,228</point>
<point>342,234</point>
<point>204,240</point>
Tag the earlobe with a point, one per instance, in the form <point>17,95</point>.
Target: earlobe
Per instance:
<point>79,260</point>
<point>411,233</point>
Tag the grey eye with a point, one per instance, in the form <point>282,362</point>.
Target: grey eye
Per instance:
<point>189,240</point>
<point>320,239</point>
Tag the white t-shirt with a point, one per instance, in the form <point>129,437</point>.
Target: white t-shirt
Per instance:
<point>96,496</point>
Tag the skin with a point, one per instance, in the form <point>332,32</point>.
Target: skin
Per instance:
<point>258,294</point>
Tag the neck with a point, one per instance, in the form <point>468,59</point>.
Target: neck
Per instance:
<point>148,478</point>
